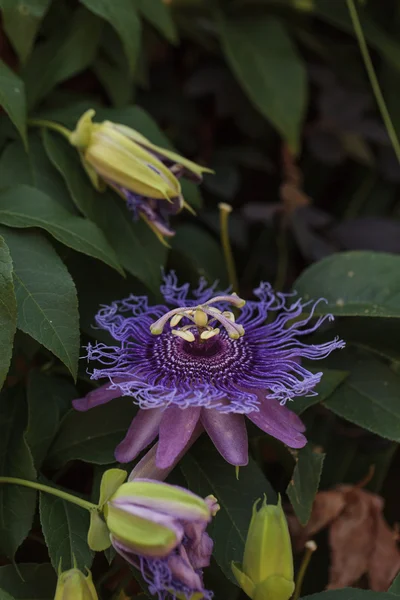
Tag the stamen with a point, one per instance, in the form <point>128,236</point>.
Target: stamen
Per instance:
<point>199,317</point>
<point>206,335</point>
<point>185,335</point>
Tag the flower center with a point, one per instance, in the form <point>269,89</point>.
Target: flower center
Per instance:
<point>198,324</point>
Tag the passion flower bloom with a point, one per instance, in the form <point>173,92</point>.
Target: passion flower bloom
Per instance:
<point>161,530</point>
<point>145,175</point>
<point>198,365</point>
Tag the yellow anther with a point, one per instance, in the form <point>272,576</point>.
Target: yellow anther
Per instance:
<point>175,320</point>
<point>206,335</point>
<point>200,318</point>
<point>185,335</point>
<point>229,315</point>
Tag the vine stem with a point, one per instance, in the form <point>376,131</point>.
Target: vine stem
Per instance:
<point>310,547</point>
<point>50,125</point>
<point>49,490</point>
<point>373,78</point>
<point>224,212</point>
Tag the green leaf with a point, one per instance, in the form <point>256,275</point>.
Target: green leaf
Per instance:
<point>123,18</point>
<point>270,70</point>
<point>8,311</point>
<point>206,472</point>
<point>21,21</point>
<point>29,581</point>
<point>65,54</point>
<point>202,251</point>
<point>24,206</point>
<point>158,14</point>
<point>357,283</point>
<point>17,503</point>
<point>338,15</point>
<point>5,595</point>
<point>65,528</point>
<point>12,99</point>
<point>137,248</point>
<point>305,480</point>
<point>395,587</point>
<point>350,594</point>
<point>380,336</point>
<point>33,168</point>
<point>369,396</point>
<point>48,399</point>
<point>92,436</point>
<point>46,295</point>
<point>331,379</point>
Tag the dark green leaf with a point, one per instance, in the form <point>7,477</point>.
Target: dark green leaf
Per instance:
<point>206,472</point>
<point>65,54</point>
<point>363,284</point>
<point>137,248</point>
<point>395,587</point>
<point>159,15</point>
<point>24,206</point>
<point>29,582</point>
<point>268,67</point>
<point>202,251</point>
<point>21,21</point>
<point>350,594</point>
<point>369,396</point>
<point>305,482</point>
<point>17,503</point>
<point>5,596</point>
<point>48,399</point>
<point>92,436</point>
<point>8,310</point>
<point>331,379</point>
<point>33,168</point>
<point>12,99</point>
<point>123,18</point>
<point>46,295</point>
<point>65,528</point>
<point>380,336</point>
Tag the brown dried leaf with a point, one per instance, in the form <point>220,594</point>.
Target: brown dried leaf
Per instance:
<point>351,538</point>
<point>384,562</point>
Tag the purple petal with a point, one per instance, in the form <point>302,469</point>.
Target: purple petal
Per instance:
<point>228,433</point>
<point>141,432</point>
<point>147,468</point>
<point>176,429</point>
<point>199,546</point>
<point>99,396</point>
<point>183,571</point>
<point>280,422</point>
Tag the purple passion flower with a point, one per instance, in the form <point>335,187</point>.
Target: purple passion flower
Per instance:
<point>161,530</point>
<point>200,365</point>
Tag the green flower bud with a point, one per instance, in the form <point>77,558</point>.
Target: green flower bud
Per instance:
<point>267,569</point>
<point>120,156</point>
<point>73,585</point>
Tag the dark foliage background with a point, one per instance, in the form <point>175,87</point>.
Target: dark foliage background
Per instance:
<point>271,94</point>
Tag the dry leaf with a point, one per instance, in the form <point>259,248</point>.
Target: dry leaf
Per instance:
<point>361,542</point>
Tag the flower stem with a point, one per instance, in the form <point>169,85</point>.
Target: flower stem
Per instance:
<point>50,490</point>
<point>50,125</point>
<point>310,547</point>
<point>373,78</point>
<point>224,211</point>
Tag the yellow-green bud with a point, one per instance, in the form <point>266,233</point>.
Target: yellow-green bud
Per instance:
<point>123,158</point>
<point>267,569</point>
<point>74,585</point>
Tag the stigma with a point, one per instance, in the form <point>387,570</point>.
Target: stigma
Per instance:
<point>202,322</point>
